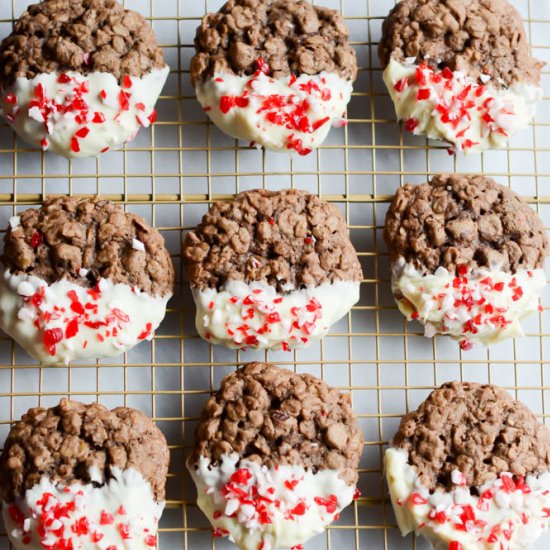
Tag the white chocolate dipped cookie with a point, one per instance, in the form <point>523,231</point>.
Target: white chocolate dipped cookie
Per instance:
<point>278,74</point>
<point>105,490</point>
<point>460,71</point>
<point>277,487</point>
<point>467,258</point>
<point>82,279</point>
<point>470,470</point>
<point>271,270</point>
<point>79,79</point>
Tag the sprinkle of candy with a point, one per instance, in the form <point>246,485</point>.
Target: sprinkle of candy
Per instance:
<point>126,81</point>
<point>456,100</point>
<point>292,112</point>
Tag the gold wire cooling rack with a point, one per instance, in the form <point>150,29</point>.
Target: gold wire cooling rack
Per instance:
<point>171,174</point>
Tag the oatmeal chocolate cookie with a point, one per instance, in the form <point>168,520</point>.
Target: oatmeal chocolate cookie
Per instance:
<point>80,77</point>
<point>277,73</point>
<point>278,263</point>
<point>459,220</point>
<point>271,432</point>
<point>74,473</point>
<point>82,279</point>
<point>461,458</point>
<point>468,257</point>
<point>471,54</point>
<point>291,36</point>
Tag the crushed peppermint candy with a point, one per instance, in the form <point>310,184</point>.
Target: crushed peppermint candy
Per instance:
<point>61,320</point>
<point>501,514</point>
<point>256,315</point>
<point>286,502</point>
<point>473,306</point>
<point>66,517</point>
<point>296,107</point>
<point>451,105</point>
<point>75,112</point>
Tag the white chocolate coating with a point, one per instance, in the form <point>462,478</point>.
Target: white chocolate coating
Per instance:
<point>508,514</point>
<point>121,513</point>
<point>292,114</point>
<point>255,315</point>
<point>82,116</point>
<point>454,107</point>
<point>479,306</point>
<point>63,322</point>
<point>261,508</point>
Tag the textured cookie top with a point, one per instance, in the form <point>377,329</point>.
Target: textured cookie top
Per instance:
<point>459,220</point>
<point>285,238</point>
<point>274,416</point>
<point>79,35</point>
<point>476,36</point>
<point>64,442</point>
<point>479,430</point>
<point>292,36</point>
<point>68,234</point>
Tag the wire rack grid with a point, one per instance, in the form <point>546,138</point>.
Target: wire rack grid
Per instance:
<point>171,174</point>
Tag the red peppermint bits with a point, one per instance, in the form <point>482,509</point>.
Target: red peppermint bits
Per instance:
<point>518,293</point>
<point>106,518</point>
<point>81,526</point>
<point>262,65</point>
<point>330,503</point>
<point>124,100</point>
<point>466,345</point>
<point>98,118</point>
<point>152,117</point>
<point>299,510</point>
<point>423,94</point>
<point>146,333</point>
<point>411,125</point>
<point>290,484</point>
<point>227,103</point>
<point>82,133</point>
<point>96,536</point>
<point>401,85</point>
<point>124,531</point>
<point>417,499</point>
<point>72,329</point>
<point>11,98</point>
<point>298,146</point>
<point>241,476</point>
<point>127,81</point>
<point>455,545</point>
<point>51,338</point>
<point>150,540</point>
<point>75,146</point>
<point>420,76</point>
<point>36,239</point>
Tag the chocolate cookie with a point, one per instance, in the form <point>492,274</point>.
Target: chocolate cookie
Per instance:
<point>82,279</point>
<point>275,457</point>
<point>271,269</point>
<point>277,73</point>
<point>460,71</point>
<point>470,469</point>
<point>78,78</point>
<point>77,474</point>
<point>468,257</point>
